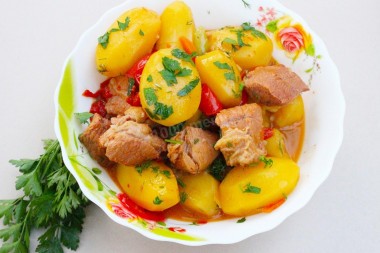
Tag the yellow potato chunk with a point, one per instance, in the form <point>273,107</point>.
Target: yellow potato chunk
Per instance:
<point>246,189</point>
<point>201,41</point>
<point>257,51</point>
<point>170,88</point>
<point>177,21</point>
<point>290,113</point>
<point>222,75</point>
<point>276,145</point>
<point>131,37</point>
<point>151,185</point>
<point>200,194</point>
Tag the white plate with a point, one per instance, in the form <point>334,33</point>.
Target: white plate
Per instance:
<point>324,109</point>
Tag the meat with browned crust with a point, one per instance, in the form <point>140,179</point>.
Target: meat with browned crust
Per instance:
<point>116,106</point>
<point>130,143</point>
<point>194,151</point>
<point>241,142</point>
<point>90,139</point>
<point>273,85</point>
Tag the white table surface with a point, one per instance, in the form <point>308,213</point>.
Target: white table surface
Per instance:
<point>343,216</point>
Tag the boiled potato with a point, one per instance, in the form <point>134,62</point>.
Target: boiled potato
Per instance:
<point>290,113</point>
<point>201,194</point>
<point>201,41</point>
<point>276,145</point>
<point>151,185</point>
<point>256,52</point>
<point>177,21</point>
<point>129,43</point>
<point>246,189</point>
<point>174,100</point>
<point>222,75</point>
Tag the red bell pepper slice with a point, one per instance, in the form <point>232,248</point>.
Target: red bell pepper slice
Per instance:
<point>268,133</point>
<point>138,68</point>
<point>210,104</point>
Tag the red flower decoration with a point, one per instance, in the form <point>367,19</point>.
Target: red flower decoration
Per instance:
<point>291,39</point>
<point>121,211</point>
<point>177,229</point>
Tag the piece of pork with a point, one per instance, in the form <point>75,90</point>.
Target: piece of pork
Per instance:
<point>116,106</point>
<point>119,86</point>
<point>195,150</point>
<point>90,139</point>
<point>242,142</point>
<point>273,85</point>
<point>130,143</point>
<point>136,114</point>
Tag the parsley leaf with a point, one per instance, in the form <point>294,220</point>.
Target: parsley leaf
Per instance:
<point>150,96</point>
<point>180,54</point>
<point>145,165</point>
<point>222,65</point>
<point>182,197</point>
<point>241,220</point>
<point>188,88</point>
<point>230,41</point>
<point>184,72</point>
<point>141,33</point>
<point>174,141</point>
<point>218,169</point>
<point>169,77</point>
<point>104,40</point>
<point>157,201</point>
<point>163,110</point>
<point>150,78</point>
<point>170,64</point>
<point>181,183</point>
<point>240,36</point>
<point>251,189</point>
<point>268,162</point>
<point>125,25</point>
<point>230,76</point>
<point>196,141</point>
<point>255,33</point>
<point>131,82</point>
<point>83,117</point>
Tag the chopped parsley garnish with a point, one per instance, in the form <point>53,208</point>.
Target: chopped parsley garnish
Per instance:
<point>218,168</point>
<point>188,88</point>
<point>170,64</point>
<point>104,39</point>
<point>230,41</point>
<point>141,33</point>
<point>150,78</point>
<point>222,65</point>
<point>268,162</point>
<point>196,141</point>
<point>172,69</point>
<point>240,36</point>
<point>194,223</point>
<point>157,201</point>
<point>150,96</point>
<point>83,117</point>
<point>156,169</point>
<point>230,76</point>
<point>131,82</point>
<point>123,26</point>
<point>253,164</point>
<point>180,54</point>
<point>241,87</point>
<point>174,141</point>
<point>251,189</point>
<point>182,197</point>
<point>229,144</point>
<point>285,196</point>
<point>181,183</point>
<point>255,33</point>
<point>163,110</point>
<point>241,220</point>
<point>280,147</point>
<point>169,77</point>
<point>184,72</point>
<point>151,114</point>
<point>140,168</point>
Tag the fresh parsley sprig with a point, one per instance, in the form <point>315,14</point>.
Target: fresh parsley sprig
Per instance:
<point>52,200</point>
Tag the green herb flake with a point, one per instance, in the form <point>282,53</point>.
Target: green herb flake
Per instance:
<point>131,82</point>
<point>157,201</point>
<point>84,117</point>
<point>150,96</point>
<point>241,87</point>
<point>163,110</point>
<point>180,54</point>
<point>285,196</point>
<point>141,33</point>
<point>268,162</point>
<point>182,197</point>
<point>241,220</point>
<point>125,25</point>
<point>229,144</point>
<point>169,77</point>
<point>170,64</point>
<point>251,189</point>
<point>196,141</point>
<point>253,164</point>
<point>104,40</point>
<point>181,183</point>
<point>140,168</point>
<point>150,78</point>
<point>230,41</point>
<point>222,65</point>
<point>218,168</point>
<point>188,88</point>
<point>194,223</point>
<point>174,141</point>
<point>230,76</point>
<point>255,33</point>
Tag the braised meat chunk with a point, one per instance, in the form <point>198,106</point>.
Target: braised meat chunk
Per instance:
<point>241,142</point>
<point>90,139</point>
<point>194,150</point>
<point>116,106</point>
<point>130,143</point>
<point>273,85</point>
<point>118,87</point>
